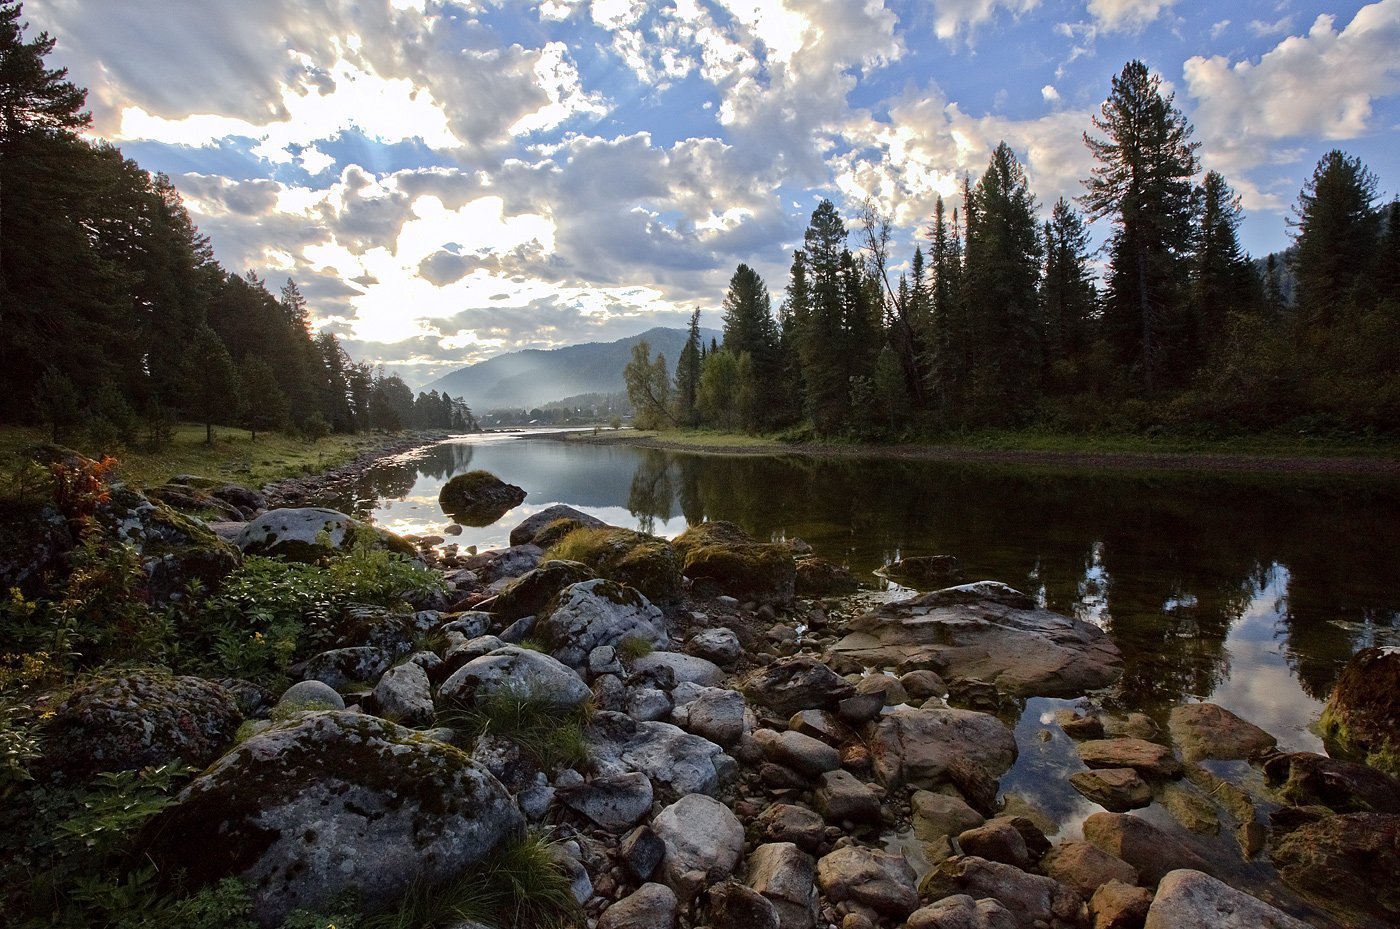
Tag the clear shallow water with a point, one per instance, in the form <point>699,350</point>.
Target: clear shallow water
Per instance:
<point>1249,591</point>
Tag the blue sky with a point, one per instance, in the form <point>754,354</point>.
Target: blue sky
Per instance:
<point>447,181</point>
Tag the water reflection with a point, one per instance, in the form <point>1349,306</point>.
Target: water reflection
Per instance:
<point>1250,591</point>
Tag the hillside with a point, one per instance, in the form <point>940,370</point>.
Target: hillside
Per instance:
<point>535,377</point>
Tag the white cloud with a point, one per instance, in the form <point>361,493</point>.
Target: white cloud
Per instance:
<point>1281,26</point>
<point>559,78</point>
<point>1219,29</point>
<point>1050,94</point>
<point>1127,15</point>
<point>952,17</point>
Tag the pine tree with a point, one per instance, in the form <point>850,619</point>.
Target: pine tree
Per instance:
<point>56,401</point>
<point>1221,278</point>
<point>1067,295</point>
<point>1336,231</point>
<point>688,373</point>
<point>212,382</point>
<point>264,404</point>
<point>1142,179</point>
<point>821,346</point>
<point>749,327</point>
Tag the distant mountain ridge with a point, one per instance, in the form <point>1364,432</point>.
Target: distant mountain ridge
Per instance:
<point>534,377</point>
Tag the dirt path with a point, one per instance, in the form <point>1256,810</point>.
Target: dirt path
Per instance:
<point>1087,460</point>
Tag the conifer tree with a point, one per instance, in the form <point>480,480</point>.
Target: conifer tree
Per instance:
<point>1221,278</point>
<point>264,404</point>
<point>1067,295</point>
<point>688,373</point>
<point>1336,231</point>
<point>212,382</point>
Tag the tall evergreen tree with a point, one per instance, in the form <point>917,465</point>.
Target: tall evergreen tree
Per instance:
<point>212,382</point>
<point>688,373</point>
<point>821,347</point>
<point>1336,231</point>
<point>1221,279</point>
<point>264,404</point>
<point>1143,180</point>
<point>1067,295</point>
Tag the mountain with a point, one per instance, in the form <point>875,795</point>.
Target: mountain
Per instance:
<point>534,377</point>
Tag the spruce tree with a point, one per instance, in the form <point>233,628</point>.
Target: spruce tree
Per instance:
<point>1067,295</point>
<point>264,404</point>
<point>1221,278</point>
<point>1336,231</point>
<point>212,382</point>
<point>688,373</point>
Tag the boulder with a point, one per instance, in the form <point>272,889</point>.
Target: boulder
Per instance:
<point>700,834</point>
<point>1116,905</point>
<point>1085,867</point>
<point>784,822</point>
<point>996,840</point>
<point>817,577</point>
<point>1191,900</point>
<point>329,803</point>
<point>1032,899</point>
<point>310,695</point>
<point>1306,779</point>
<point>599,612</point>
<point>799,683</point>
<point>126,720</point>
<point>962,912</point>
<point>925,747</point>
<point>801,753</point>
<point>785,874</point>
<point>841,797</point>
<point>478,498</point>
<point>174,549</point>
<point>33,539</point>
<point>938,815</point>
<point>682,668</point>
<point>716,714</point>
<point>312,533</point>
<point>1362,718</point>
<point>677,762</point>
<point>1349,864</point>
<point>405,696</point>
<point>651,906</point>
<point>923,572</point>
<point>722,558</point>
<point>491,566</point>
<point>1114,789</point>
<point>531,592</point>
<point>734,906</point>
<point>1147,758</point>
<point>985,632</point>
<point>615,802</point>
<point>342,668</point>
<point>880,880</point>
<point>510,671</point>
<point>531,528</point>
<point>641,852</point>
<point>719,645</point>
<point>1204,730</point>
<point>1152,850</point>
<point>635,559</point>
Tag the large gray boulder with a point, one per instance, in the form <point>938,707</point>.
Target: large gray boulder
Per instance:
<point>511,671</point>
<point>478,498</point>
<point>794,684</point>
<point>552,518</point>
<point>1032,899</point>
<point>175,549</point>
<point>1192,900</point>
<point>615,802</point>
<point>716,714</point>
<point>880,880</point>
<point>677,762</point>
<point>405,695</point>
<point>333,802</point>
<point>599,612</point>
<point>986,632</point>
<point>787,876</point>
<point>923,747</point>
<point>1204,730</point>
<point>683,668</point>
<point>531,592</point>
<point>342,668</point>
<point>700,834</point>
<point>651,906</point>
<point>310,533</point>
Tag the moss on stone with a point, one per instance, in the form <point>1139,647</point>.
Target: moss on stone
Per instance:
<point>640,561</point>
<point>722,556</point>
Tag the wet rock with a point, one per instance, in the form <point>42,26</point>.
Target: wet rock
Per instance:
<point>1190,809</point>
<point>404,695</point>
<point>478,498</point>
<point>677,762</point>
<point>531,592</point>
<point>1349,864</point>
<point>1032,899</point>
<point>634,559</point>
<point>615,802</point>
<point>1152,850</point>
<point>599,612</point>
<point>342,668</point>
<point>332,802</point>
<point>802,753</point>
<point>734,906</point>
<point>817,577</point>
<point>938,815</point>
<point>798,683</point>
<point>1204,730</point>
<point>1192,900</point>
<point>986,632</point>
<point>1080,727</point>
<point>683,668</point>
<point>785,874</point>
<point>1362,718</point>
<point>530,529</point>
<point>310,534</point>
<point>925,747</point>
<point>1114,789</point>
<point>641,852</point>
<point>722,558</point>
<point>880,880</point>
<point>783,822</point>
<point>1116,905</point>
<point>719,645</point>
<point>651,906</point>
<point>310,695</point>
<point>996,840</point>
<point>1147,758</point>
<point>921,685</point>
<point>886,686</point>
<point>1305,779</point>
<point>515,672</point>
<point>840,797</point>
<point>1132,726</point>
<point>962,912</point>
<point>923,572</point>
<point>1085,867</point>
<point>125,720</point>
<point>700,834</point>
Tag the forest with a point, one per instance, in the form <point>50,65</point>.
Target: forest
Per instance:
<point>1000,320</point>
<point>117,318</point>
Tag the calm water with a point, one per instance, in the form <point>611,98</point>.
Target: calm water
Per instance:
<point>1248,591</point>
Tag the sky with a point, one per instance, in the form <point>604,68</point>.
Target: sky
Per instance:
<point>447,181</point>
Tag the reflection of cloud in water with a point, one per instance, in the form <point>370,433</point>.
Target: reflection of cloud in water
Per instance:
<point>1092,605</point>
<point>1263,688</point>
<point>1040,776</point>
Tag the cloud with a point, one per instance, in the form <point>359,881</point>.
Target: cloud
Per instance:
<point>1127,15</point>
<point>1323,84</point>
<point>1050,94</point>
<point>1281,26</point>
<point>953,17</point>
<point>1219,29</point>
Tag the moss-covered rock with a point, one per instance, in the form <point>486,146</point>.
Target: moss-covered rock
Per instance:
<point>175,549</point>
<point>551,524</point>
<point>923,572</point>
<point>33,540</point>
<point>1349,864</point>
<point>126,720</point>
<point>817,577</point>
<point>532,591</point>
<point>478,498</point>
<point>333,802</point>
<point>311,533</point>
<point>722,557</point>
<point>1362,718</point>
<point>636,559</point>
<point>594,613</point>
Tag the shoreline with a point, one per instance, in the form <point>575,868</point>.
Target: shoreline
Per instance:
<point>1195,462</point>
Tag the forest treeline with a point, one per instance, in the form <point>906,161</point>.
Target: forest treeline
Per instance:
<point>999,319</point>
<point>117,318</point>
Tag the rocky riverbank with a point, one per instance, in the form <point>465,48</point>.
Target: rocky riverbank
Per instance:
<point>715,732</point>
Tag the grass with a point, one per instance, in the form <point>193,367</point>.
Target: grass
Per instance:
<point>552,737</point>
<point>634,647</point>
<point>233,457</point>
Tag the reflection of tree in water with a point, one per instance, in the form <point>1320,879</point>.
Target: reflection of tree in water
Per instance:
<point>445,460</point>
<point>652,491</point>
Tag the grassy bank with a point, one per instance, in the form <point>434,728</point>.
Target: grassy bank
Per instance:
<point>233,456</point>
